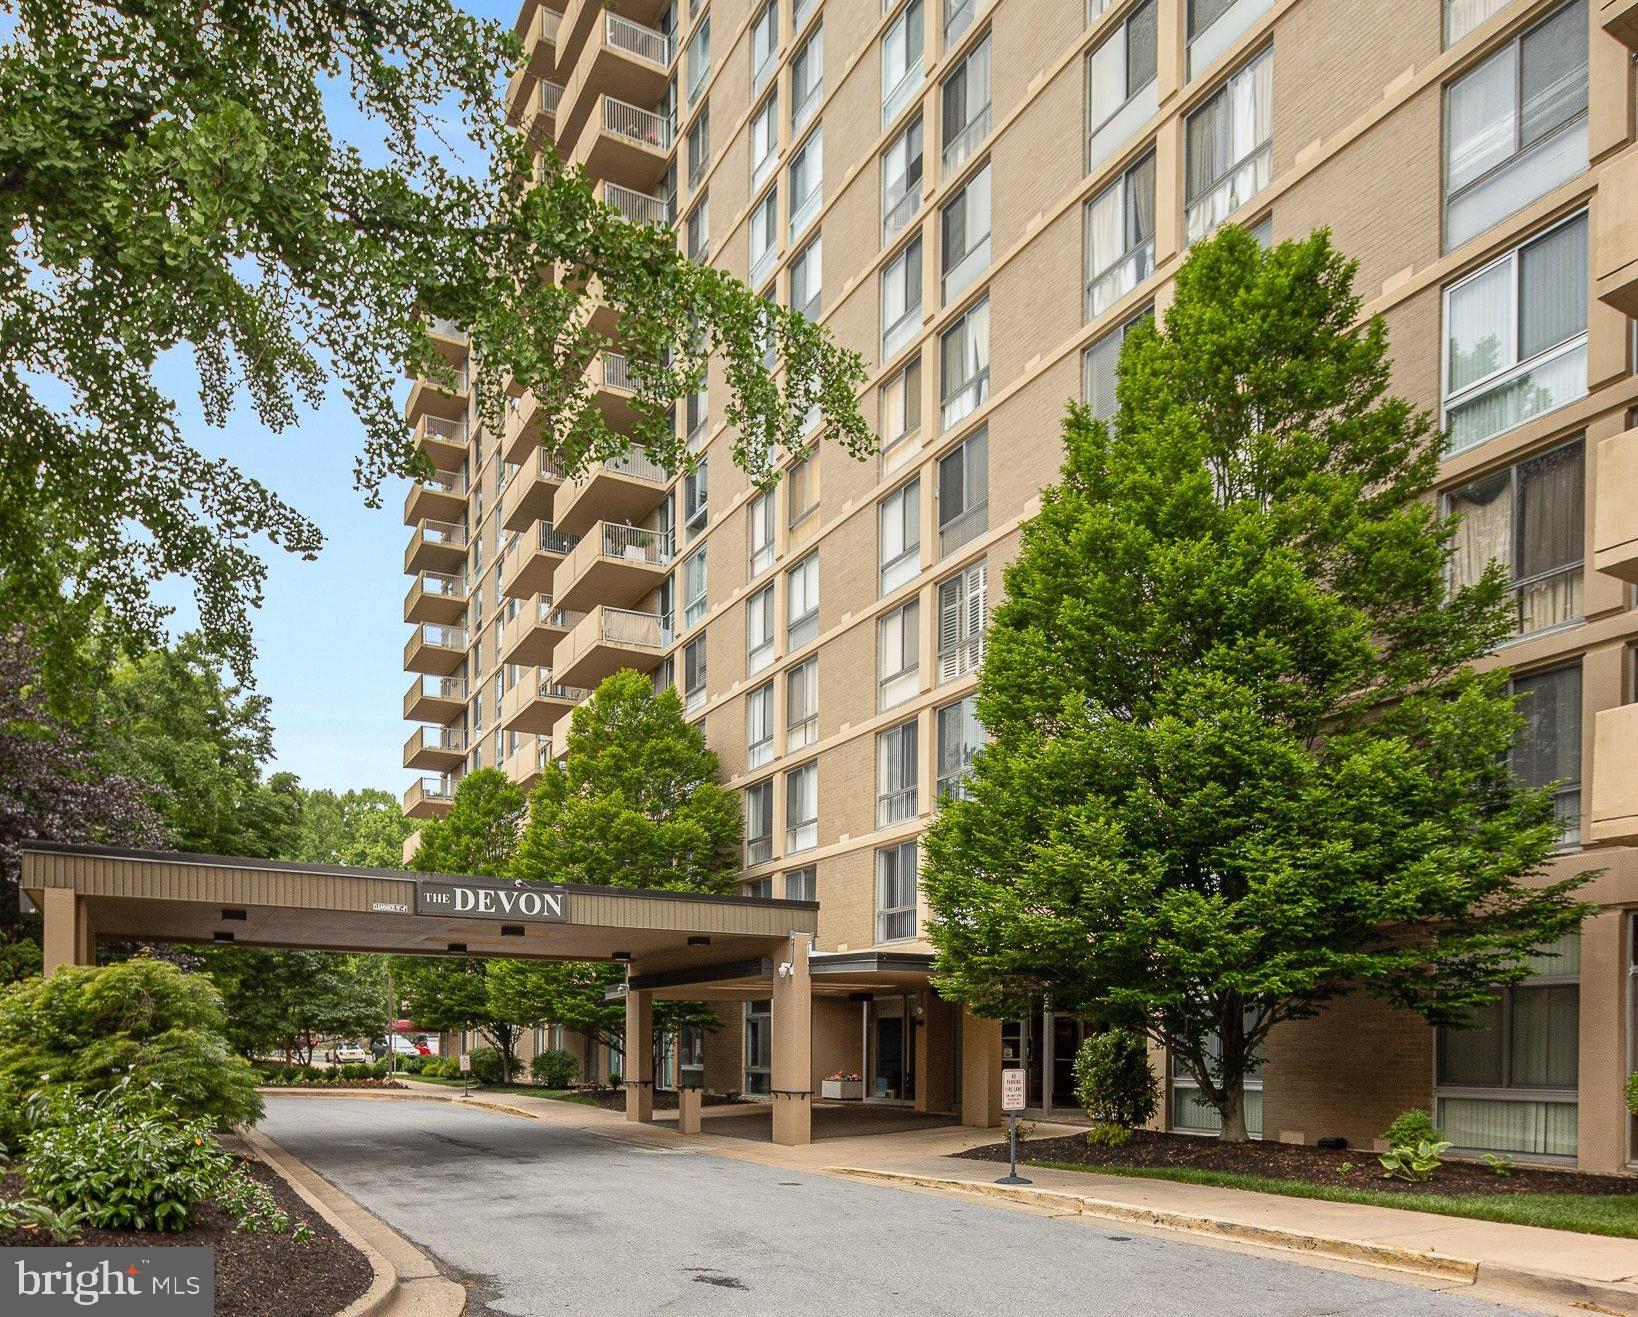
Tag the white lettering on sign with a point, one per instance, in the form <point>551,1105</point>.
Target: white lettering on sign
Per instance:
<point>477,900</point>
<point>1012,1090</point>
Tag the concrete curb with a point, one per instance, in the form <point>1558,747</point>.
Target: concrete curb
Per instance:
<point>406,1283</point>
<point>1619,1298</point>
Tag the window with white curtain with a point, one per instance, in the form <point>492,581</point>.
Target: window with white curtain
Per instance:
<point>802,603</point>
<point>807,280</point>
<point>695,486</point>
<point>1508,1082</point>
<point>699,146</point>
<point>759,823</point>
<point>802,705</point>
<point>963,609</point>
<point>897,774</point>
<point>1548,750</point>
<point>764,44</point>
<point>901,179</point>
<point>802,808</point>
<point>896,892</point>
<point>1528,517</point>
<point>802,488</point>
<point>964,364</point>
<point>764,139</point>
<point>759,726</point>
<point>964,492</point>
<point>1228,145</point>
<point>759,516</point>
<point>1099,364</point>
<point>898,655</point>
<point>694,591</point>
<point>759,631</point>
<point>901,298</point>
<point>764,235</point>
<point>1462,16</point>
<point>1215,25</point>
<point>1516,336</point>
<point>902,46</point>
<point>1122,89</point>
<point>965,227</point>
<point>807,78</point>
<point>802,884</point>
<point>807,181</point>
<point>898,536</point>
<point>900,414</point>
<point>965,106</point>
<point>1516,126</point>
<point>1120,237</point>
<point>960,736</point>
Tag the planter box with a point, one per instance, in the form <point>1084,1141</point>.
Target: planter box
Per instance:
<point>845,1089</point>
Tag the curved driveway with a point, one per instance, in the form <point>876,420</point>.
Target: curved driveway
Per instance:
<point>541,1219</point>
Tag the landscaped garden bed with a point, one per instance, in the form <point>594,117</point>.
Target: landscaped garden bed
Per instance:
<point>1530,1195</point>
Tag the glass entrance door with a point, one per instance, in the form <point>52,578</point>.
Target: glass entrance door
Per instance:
<point>890,1048</point>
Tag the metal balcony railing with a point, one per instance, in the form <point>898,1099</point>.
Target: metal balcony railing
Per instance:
<point>635,39</point>
<point>434,788</point>
<point>553,540</point>
<point>439,635</point>
<point>637,124</point>
<point>441,532</point>
<point>442,429</point>
<point>547,689</point>
<point>441,584</point>
<point>616,372</point>
<point>445,482</point>
<point>452,739</point>
<point>445,327</point>
<point>637,464</point>
<point>543,465</point>
<point>439,688</point>
<point>551,96</point>
<point>636,544</point>
<point>627,626</point>
<point>638,207</point>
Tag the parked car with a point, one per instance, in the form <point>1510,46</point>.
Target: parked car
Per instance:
<point>401,1046</point>
<point>347,1054</point>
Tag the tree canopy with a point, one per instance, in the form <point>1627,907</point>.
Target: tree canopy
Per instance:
<point>1241,762</point>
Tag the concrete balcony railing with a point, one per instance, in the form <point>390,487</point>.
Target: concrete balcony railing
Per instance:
<point>531,559</point>
<point>436,546</point>
<point>614,564</point>
<point>622,489</point>
<point>429,798</point>
<point>1615,509</point>
<point>1613,813</point>
<point>435,747</point>
<point>528,495</point>
<point>435,650</point>
<point>434,699</point>
<point>609,639</point>
<point>1615,243</point>
<point>435,597</point>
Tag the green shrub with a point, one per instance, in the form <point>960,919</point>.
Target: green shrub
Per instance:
<point>354,1070</point>
<point>1632,1093</point>
<point>1414,1163</point>
<point>1108,1136</point>
<point>614,1079</point>
<point>1114,1082</point>
<point>486,1065</point>
<point>553,1069</point>
<point>1410,1128</point>
<point>412,1065</point>
<point>141,1020</point>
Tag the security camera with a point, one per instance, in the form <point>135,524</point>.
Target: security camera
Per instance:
<point>785,969</point>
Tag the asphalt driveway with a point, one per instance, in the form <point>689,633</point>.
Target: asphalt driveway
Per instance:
<point>540,1219</point>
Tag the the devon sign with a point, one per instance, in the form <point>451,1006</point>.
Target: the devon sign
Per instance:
<point>538,903</point>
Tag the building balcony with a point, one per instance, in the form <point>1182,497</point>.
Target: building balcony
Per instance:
<point>540,116</point>
<point>531,560</point>
<point>1615,509</point>
<point>429,798</point>
<point>607,640</point>
<point>527,764</point>
<point>435,650</point>
<point>450,340</point>
<point>624,59</point>
<point>1613,816</point>
<point>1615,245</point>
<point>626,144</point>
<point>436,546</point>
<point>640,207</point>
<point>1620,19</point>
<point>435,597</point>
<point>443,441</point>
<point>435,699</point>
<point>613,390</point>
<point>531,633</point>
<point>614,564</point>
<point>537,701</point>
<point>445,398</point>
<point>440,748</point>
<point>622,489</point>
<point>525,428</point>
<point>527,497</point>
<point>441,498</point>
<point>539,32</point>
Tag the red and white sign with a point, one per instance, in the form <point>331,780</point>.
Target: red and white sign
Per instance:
<point>1012,1090</point>
<point>466,1062</point>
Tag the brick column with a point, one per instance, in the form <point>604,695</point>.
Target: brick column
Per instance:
<point>639,1059</point>
<point>793,1045</point>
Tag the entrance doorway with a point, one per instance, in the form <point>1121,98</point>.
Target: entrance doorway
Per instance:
<point>1045,1046</point>
<point>890,1051</point>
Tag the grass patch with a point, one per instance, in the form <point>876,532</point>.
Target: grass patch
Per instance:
<point>530,1090</point>
<point>1590,1214</point>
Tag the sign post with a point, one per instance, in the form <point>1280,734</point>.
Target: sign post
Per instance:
<point>466,1072</point>
<point>1012,1102</point>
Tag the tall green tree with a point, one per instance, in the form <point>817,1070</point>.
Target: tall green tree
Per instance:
<point>479,835</point>
<point>286,1001</point>
<point>364,827</point>
<point>1241,762</point>
<point>173,178</point>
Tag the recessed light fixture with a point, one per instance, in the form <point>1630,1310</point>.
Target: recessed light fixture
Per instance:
<point>511,930</point>
<point>220,936</point>
<point>457,946</point>
<point>238,915</point>
<point>698,941</point>
<point>621,955</point>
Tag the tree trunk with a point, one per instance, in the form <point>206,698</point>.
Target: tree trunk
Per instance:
<point>1234,1112</point>
<point>1231,1032</point>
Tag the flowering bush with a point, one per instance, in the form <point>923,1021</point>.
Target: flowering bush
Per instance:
<point>848,1078</point>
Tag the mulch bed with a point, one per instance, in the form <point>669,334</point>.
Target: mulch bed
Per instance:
<point>325,1085</point>
<point>1288,1161</point>
<point>260,1275</point>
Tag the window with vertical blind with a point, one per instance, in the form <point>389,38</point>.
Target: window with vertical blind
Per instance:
<point>901,412</point>
<point>808,280</point>
<point>697,58</point>
<point>897,776</point>
<point>964,361</point>
<point>802,705</point>
<point>802,808</point>
<point>901,298</point>
<point>802,603</point>
<point>759,518</point>
<point>1516,125</point>
<point>1122,89</point>
<point>959,736</point>
<point>694,674</point>
<point>807,78</point>
<point>902,165</point>
<point>699,231</point>
<point>964,492</point>
<point>964,226</point>
<point>802,884</point>
<point>896,892</point>
<point>1099,364</point>
<point>1120,237</point>
<point>1529,517</point>
<point>1516,336</point>
<point>807,180</point>
<point>699,146</point>
<point>963,602</point>
<point>763,231</point>
<point>764,135</point>
<point>901,61</point>
<point>759,631</point>
<point>694,587</point>
<point>759,823</point>
<point>965,106</point>
<point>802,488</point>
<point>898,655</point>
<point>1228,147</point>
<point>1548,750</point>
<point>898,536</point>
<point>695,485</point>
<point>759,726</point>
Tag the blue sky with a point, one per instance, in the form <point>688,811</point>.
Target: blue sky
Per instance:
<point>330,634</point>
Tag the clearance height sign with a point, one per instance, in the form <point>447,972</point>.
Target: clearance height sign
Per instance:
<point>540,903</point>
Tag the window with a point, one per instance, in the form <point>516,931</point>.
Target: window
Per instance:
<point>898,655</point>
<point>1516,336</point>
<point>759,631</point>
<point>965,225</point>
<point>964,361</point>
<point>807,280</point>
<point>807,180</point>
<point>698,59</point>
<point>764,44</point>
<point>802,808</point>
<point>901,179</point>
<point>759,725</point>
<point>962,603</point>
<point>958,17</point>
<point>802,705</point>
<point>696,412</point>
<point>898,536</point>
<point>802,488</point>
<point>1122,92</point>
<point>901,61</point>
<point>764,140</point>
<point>759,823</point>
<point>896,774</point>
<point>1215,25</point>
<point>966,106</point>
<point>1229,146</point>
<point>1120,237</point>
<point>1548,750</point>
<point>759,514</point>
<point>764,232</point>
<point>1462,16</point>
<point>802,611</point>
<point>805,9</point>
<point>1529,518</point>
<point>699,146</point>
<point>1190,1112</point>
<point>1508,1082</point>
<point>694,602</point>
<point>901,412</point>
<point>699,231</point>
<point>964,493</point>
<point>694,499</point>
<point>896,892</point>
<point>694,674</point>
<point>759,1045</point>
<point>960,737</point>
<point>802,884</point>
<point>1098,366</point>
<point>807,78</point>
<point>901,298</point>
<point>1516,126</point>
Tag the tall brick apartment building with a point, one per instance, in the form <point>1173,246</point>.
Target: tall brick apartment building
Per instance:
<point>980,199</point>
